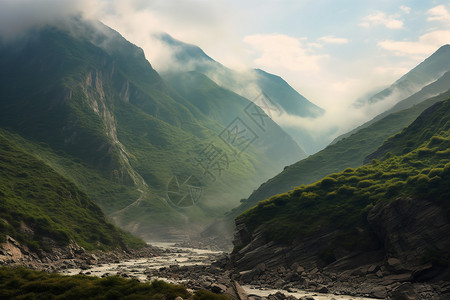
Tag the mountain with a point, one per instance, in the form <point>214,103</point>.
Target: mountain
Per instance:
<point>423,74</point>
<point>279,100</point>
<point>428,79</point>
<point>348,152</point>
<point>435,88</point>
<point>43,210</point>
<point>225,106</point>
<point>391,215</point>
<point>81,98</point>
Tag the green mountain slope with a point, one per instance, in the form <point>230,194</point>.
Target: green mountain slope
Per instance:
<point>338,206</point>
<point>38,204</point>
<point>283,99</point>
<point>437,87</point>
<point>349,152</point>
<point>87,102</point>
<point>423,74</point>
<point>224,106</point>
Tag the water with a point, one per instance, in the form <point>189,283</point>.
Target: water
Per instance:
<point>252,290</point>
<point>171,255</point>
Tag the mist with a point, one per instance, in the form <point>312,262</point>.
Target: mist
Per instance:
<point>331,83</point>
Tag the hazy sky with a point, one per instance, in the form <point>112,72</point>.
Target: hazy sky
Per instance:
<point>332,52</point>
<point>329,50</point>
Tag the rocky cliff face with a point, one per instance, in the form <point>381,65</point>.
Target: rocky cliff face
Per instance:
<point>414,232</point>
<point>411,243</point>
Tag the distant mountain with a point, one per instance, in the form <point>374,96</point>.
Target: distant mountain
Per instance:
<point>224,106</point>
<point>87,103</point>
<point>392,215</point>
<point>426,72</point>
<point>349,152</point>
<point>281,98</point>
<point>43,210</point>
<point>437,87</point>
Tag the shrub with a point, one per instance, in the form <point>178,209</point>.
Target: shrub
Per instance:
<point>328,181</point>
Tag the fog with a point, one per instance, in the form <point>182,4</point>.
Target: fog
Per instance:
<point>331,83</point>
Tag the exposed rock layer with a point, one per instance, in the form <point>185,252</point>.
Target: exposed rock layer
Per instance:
<point>411,244</point>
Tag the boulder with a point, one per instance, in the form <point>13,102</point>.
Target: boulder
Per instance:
<point>405,291</point>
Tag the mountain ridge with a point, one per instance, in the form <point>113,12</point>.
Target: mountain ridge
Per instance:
<point>99,110</point>
<point>282,98</point>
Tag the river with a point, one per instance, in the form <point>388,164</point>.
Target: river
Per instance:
<point>171,256</point>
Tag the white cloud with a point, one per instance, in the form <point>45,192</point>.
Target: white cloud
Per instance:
<point>329,39</point>
<point>426,44</point>
<point>405,9</point>
<point>390,70</point>
<point>439,13</point>
<point>283,51</point>
<point>17,16</point>
<point>381,18</point>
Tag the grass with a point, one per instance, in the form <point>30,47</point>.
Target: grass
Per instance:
<point>349,152</point>
<point>38,203</point>
<point>341,201</point>
<point>52,84</point>
<point>21,283</point>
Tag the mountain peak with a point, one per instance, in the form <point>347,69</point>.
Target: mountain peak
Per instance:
<point>183,52</point>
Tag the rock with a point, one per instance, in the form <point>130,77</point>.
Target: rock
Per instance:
<point>218,288</point>
<point>280,296</point>
<point>388,280</point>
<point>322,289</point>
<point>373,269</point>
<point>300,269</point>
<point>426,272</point>
<point>395,265</point>
<point>409,229</point>
<point>378,292</point>
<point>405,291</point>
<point>278,284</point>
<point>260,268</point>
<point>358,272</point>
<point>178,298</point>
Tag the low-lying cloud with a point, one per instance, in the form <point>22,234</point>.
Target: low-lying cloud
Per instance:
<point>17,16</point>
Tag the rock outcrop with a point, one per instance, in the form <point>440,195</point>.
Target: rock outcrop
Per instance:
<point>14,253</point>
<point>411,244</point>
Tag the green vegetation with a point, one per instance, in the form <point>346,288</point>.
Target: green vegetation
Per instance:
<point>39,204</point>
<point>349,152</point>
<point>247,84</point>
<point>224,106</point>
<point>90,106</point>
<point>341,201</point>
<point>21,283</point>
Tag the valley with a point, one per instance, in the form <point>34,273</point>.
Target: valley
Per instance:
<point>119,180</point>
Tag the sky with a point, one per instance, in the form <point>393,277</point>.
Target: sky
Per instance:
<point>332,52</point>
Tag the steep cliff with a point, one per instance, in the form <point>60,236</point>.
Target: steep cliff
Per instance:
<point>391,216</point>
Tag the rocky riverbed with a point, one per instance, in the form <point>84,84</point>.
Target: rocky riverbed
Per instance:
<point>214,271</point>
<point>201,269</point>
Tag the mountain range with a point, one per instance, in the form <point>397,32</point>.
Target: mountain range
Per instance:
<point>351,149</point>
<point>93,139</point>
<point>389,217</point>
<point>280,99</point>
<point>85,101</point>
